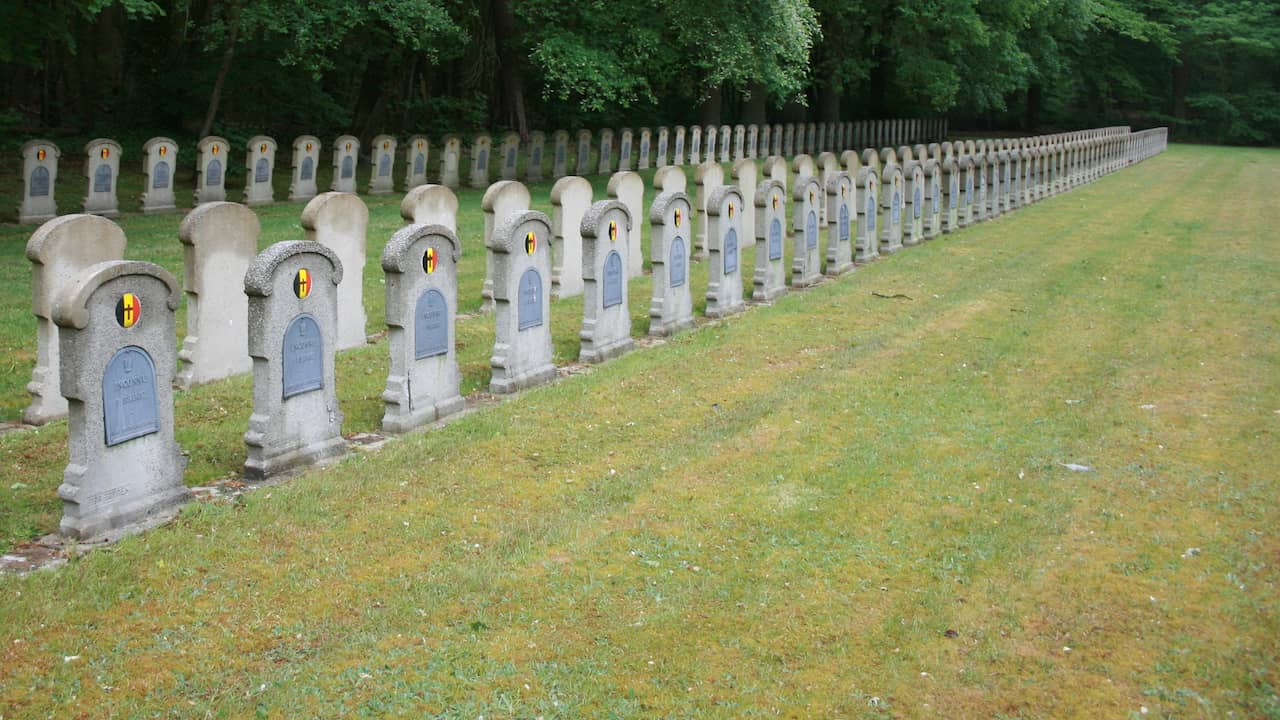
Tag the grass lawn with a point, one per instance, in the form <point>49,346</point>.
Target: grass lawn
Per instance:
<point>837,506</point>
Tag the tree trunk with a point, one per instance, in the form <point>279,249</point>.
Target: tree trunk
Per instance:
<point>511,103</point>
<point>215,96</point>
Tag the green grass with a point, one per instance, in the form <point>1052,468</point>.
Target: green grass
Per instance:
<point>837,506</point>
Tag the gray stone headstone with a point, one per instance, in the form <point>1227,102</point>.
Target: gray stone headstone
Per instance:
<point>968,191</point>
<point>305,160</point>
<point>509,151</point>
<point>867,242</point>
<point>382,158</point>
<point>913,222</point>
<point>806,258</point>
<point>775,168</point>
<point>570,200</point>
<point>423,382</point>
<point>789,140</point>
<point>746,176</point>
<point>766,142</point>
<point>628,188</point>
<point>725,137</point>
<point>59,250</point>
<point>116,326</point>
<point>481,147</point>
<point>770,278</point>
<point>533,164</point>
<point>725,239</point>
<point>451,161</point>
<point>739,142</point>
<point>776,147</point>
<point>582,166</point>
<point>219,240</point>
<point>677,157</point>
<point>605,165</point>
<point>159,158</point>
<point>670,238</point>
<point>430,205</point>
<point>292,289</point>
<point>102,168</point>
<point>560,159</point>
<point>952,197</point>
<point>417,156</point>
<point>708,178</point>
<point>670,179</point>
<point>933,200</point>
<point>664,140</point>
<point>606,315</point>
<point>502,200</point>
<point>259,163</point>
<point>339,222</point>
<point>842,214</point>
<point>804,166</point>
<point>39,178</point>
<point>892,201</point>
<point>346,158</point>
<point>710,141</point>
<point>624,149</point>
<point>645,147</point>
<point>522,348</point>
<point>695,145</point>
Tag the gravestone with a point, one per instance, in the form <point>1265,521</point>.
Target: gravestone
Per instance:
<point>423,381</point>
<point>913,224</point>
<point>59,250</point>
<point>533,163</point>
<point>451,162</point>
<point>980,211</point>
<point>292,288</point>
<point>664,140</point>
<point>1015,178</point>
<point>775,168</point>
<point>339,222</point>
<point>522,347</point>
<point>708,178</point>
<point>116,326</point>
<point>1005,180</point>
<point>219,240</point>
<point>502,200</point>
<point>481,147</point>
<point>811,139</point>
<point>849,160</point>
<point>570,200</point>
<point>259,165</point>
<point>710,140</point>
<point>670,179</point>
<point>766,142</point>
<point>39,178</point>
<point>753,142</point>
<point>509,151</point>
<point>417,153</point>
<point>770,278</point>
<point>746,177</point>
<point>934,209</point>
<point>306,160</point>
<point>820,146</point>
<point>430,205</point>
<point>952,195</point>
<point>867,242</point>
<point>828,166</point>
<point>726,147</point>
<point>624,149</point>
<point>583,164</point>
<point>842,211</point>
<point>724,237</point>
<point>776,147</point>
<point>628,188</point>
<point>965,163</point>
<point>606,317</point>
<point>806,257</point>
<point>560,159</point>
<point>804,166</point>
<point>159,159</point>
<point>102,169</point>
<point>646,140</point>
<point>677,156</point>
<point>994,189</point>
<point>695,146</point>
<point>670,226</point>
<point>382,161</point>
<point>605,165</point>
<point>346,162</point>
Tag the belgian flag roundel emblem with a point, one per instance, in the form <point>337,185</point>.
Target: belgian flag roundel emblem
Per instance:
<point>429,260</point>
<point>613,230</point>
<point>530,243</point>
<point>678,216</point>
<point>128,310</point>
<point>730,209</point>
<point>302,283</point>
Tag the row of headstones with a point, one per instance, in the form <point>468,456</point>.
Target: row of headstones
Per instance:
<point>114,319</point>
<point>102,167</point>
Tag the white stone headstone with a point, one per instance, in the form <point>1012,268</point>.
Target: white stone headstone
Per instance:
<point>417,157</point>
<point>708,178</point>
<point>806,258</point>
<point>671,236</point>
<point>533,163</point>
<point>502,200</point>
<point>770,278</point>
<point>606,316</point>
<point>570,200</point>
<point>451,161</point>
<point>522,348</point>
<point>259,165</point>
<point>724,247</point>
<point>346,164</point>
<point>481,148</point>
<point>340,221</point>
<point>670,179</point>
<point>628,188</point>
<point>842,213</point>
<point>382,165</point>
<point>102,170</point>
<point>159,161</point>
<point>746,176</point>
<point>430,205</point>
<point>305,162</point>
<point>510,150</point>
<point>39,180</point>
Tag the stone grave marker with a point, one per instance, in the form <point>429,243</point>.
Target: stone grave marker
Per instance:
<point>867,241</point>
<point>533,163</point>
<point>804,166</point>
<point>509,151</point>
<point>59,250</point>
<point>811,139</point>
<point>502,200</point>
<point>605,164</point>
<point>306,159</point>
<point>670,179</point>
<point>951,188</point>
<point>828,166</point>
<point>776,147</point>
<point>770,278</point>
<point>753,142</point>
<point>725,137</point>
<point>423,380</point>
<point>583,165</point>
<point>259,165</point>
<point>102,169</point>
<point>606,317</point>
<point>849,160</point>
<point>806,258</point>
<point>842,210</point>
<point>913,227</point>
<point>934,211</point>
<point>39,177</point>
<point>382,161</point>
<point>789,140</point>
<point>820,146</point>
<point>430,205</point>
<point>708,178</point>
<point>219,240</point>
<point>892,203</point>
<point>695,145</point>
<point>339,222</point>
<point>966,206</point>
<point>628,188</point>
<point>645,147</point>
<point>346,162</point>
<point>159,158</point>
<point>994,189</point>
<point>746,177</point>
<point>451,162</point>
<point>417,153</point>
<point>116,326</point>
<point>677,157</point>
<point>624,149</point>
<point>570,200</point>
<point>766,141</point>
<point>979,212</point>
<point>522,346</point>
<point>292,288</point>
<point>670,226</point>
<point>481,146</point>
<point>739,142</point>
<point>560,160</point>
<point>775,168</point>
<point>724,291</point>
<point>664,140</point>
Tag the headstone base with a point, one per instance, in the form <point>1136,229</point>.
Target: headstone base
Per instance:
<point>91,515</point>
<point>403,422</point>
<point>267,460</point>
<point>659,329</point>
<point>834,270</point>
<point>604,353</point>
<point>505,384</point>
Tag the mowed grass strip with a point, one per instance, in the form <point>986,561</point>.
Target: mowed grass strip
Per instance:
<point>840,505</point>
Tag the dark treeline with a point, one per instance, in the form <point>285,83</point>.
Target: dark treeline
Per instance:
<point>235,67</point>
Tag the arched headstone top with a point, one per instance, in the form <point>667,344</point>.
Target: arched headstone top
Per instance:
<point>209,142</point>
<point>262,144</point>
<point>568,183</point>
<point>804,185</point>
<point>504,240</point>
<point>591,220</point>
<point>662,203</point>
<point>767,189</point>
<point>503,187</point>
<point>342,142</point>
<point>710,166</point>
<point>157,142</point>
<point>396,256</point>
<point>49,237</point>
<point>301,142</point>
<point>837,180</point>
<point>622,176</point>
<point>336,204</point>
<point>720,196</point>
<point>871,158</point>
<point>258,280</point>
<point>32,147</point>
<point>97,144</point>
<point>867,173</point>
<point>71,309</point>
<point>189,230</point>
<point>438,195</point>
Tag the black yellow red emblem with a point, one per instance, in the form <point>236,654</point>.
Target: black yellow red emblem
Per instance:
<point>776,200</point>
<point>128,310</point>
<point>429,260</point>
<point>613,230</point>
<point>302,283</point>
<point>530,243</point>
<point>106,153</point>
<point>730,209</point>
<point>678,216</point>
<point>40,154</point>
